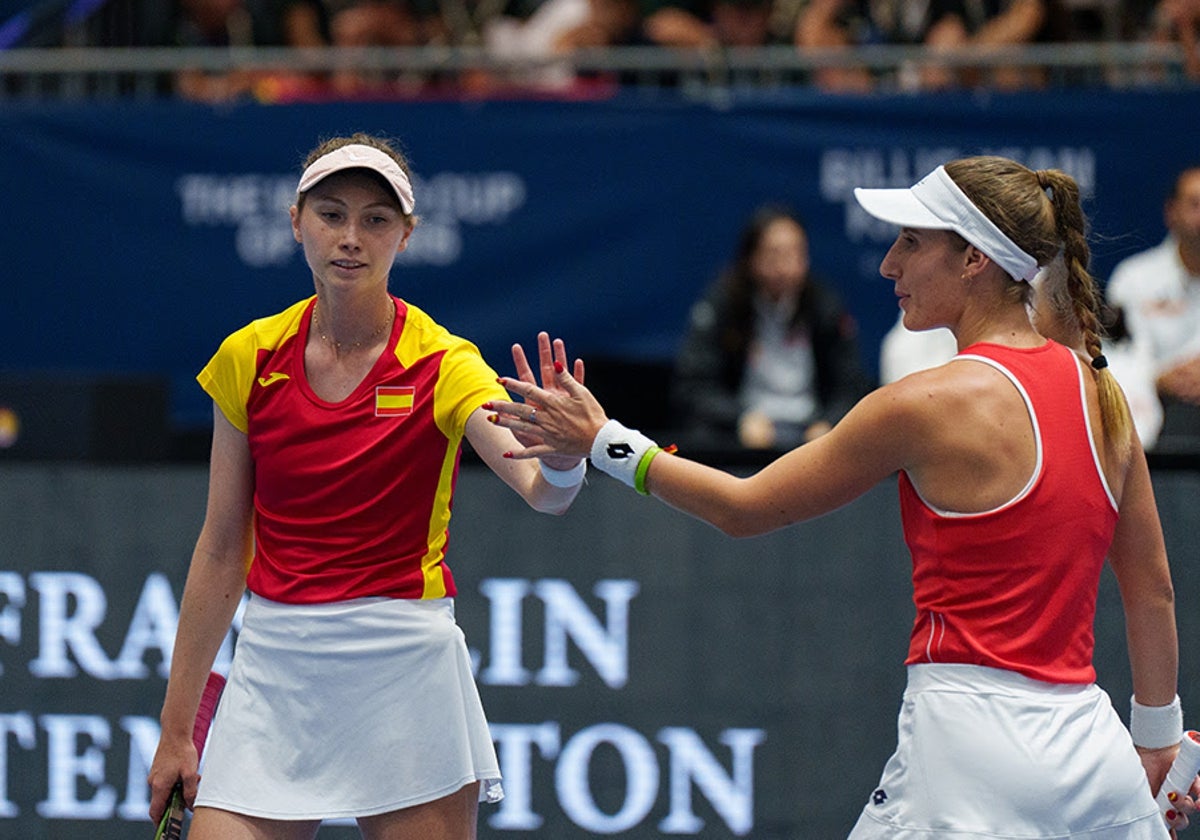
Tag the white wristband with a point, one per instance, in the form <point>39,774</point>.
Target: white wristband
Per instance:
<point>1154,727</point>
<point>618,450</point>
<point>564,478</point>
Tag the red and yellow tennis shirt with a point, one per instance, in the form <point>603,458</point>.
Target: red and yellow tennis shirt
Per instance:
<point>351,499</point>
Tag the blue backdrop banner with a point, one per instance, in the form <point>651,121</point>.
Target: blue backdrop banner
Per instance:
<point>140,234</point>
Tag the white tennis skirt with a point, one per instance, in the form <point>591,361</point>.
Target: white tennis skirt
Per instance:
<point>987,753</point>
<point>347,710</point>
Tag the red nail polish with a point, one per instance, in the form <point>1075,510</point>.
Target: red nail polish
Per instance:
<point>1172,796</point>
<point>507,454</point>
<point>558,367</point>
<point>487,406</point>
<point>493,418</point>
<point>1171,815</point>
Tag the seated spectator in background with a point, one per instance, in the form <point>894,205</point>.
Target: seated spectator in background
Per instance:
<point>833,24</point>
<point>1159,292</point>
<point>707,24</point>
<point>771,358</point>
<point>685,24</point>
<point>510,28</point>
<point>349,23</point>
<point>608,23</point>
<point>215,23</point>
<point>467,22</point>
<point>1179,21</point>
<point>355,23</point>
<point>904,351</point>
<point>1005,23</point>
<point>539,33</point>
<point>604,23</point>
<point>938,24</point>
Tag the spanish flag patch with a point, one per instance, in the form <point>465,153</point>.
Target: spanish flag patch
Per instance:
<point>394,400</point>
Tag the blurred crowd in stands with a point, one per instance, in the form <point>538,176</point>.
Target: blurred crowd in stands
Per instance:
<point>770,358</point>
<point>541,30</point>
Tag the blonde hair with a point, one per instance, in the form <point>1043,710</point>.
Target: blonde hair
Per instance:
<point>1040,211</point>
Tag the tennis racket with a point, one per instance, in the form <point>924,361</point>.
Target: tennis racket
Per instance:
<point>170,827</point>
<point>1183,771</point>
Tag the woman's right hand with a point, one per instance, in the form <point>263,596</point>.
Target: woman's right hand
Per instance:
<point>174,761</point>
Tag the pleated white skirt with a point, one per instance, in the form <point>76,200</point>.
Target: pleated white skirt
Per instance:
<point>347,710</point>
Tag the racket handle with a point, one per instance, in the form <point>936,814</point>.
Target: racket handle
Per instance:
<point>170,827</point>
<point>1183,771</point>
<point>208,705</point>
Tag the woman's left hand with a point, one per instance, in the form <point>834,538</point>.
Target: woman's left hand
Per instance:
<point>558,421</point>
<point>550,354</point>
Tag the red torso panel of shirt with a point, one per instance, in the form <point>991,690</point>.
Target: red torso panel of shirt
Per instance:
<point>1016,587</point>
<point>352,499</point>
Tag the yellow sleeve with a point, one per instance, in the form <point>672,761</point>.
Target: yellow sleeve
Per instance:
<point>465,381</point>
<point>229,374</point>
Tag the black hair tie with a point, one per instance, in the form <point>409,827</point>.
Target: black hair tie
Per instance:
<point>1099,362</point>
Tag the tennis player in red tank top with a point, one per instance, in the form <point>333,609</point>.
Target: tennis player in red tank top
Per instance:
<point>1020,473</point>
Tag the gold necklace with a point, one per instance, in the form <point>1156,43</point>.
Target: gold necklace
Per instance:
<point>338,346</point>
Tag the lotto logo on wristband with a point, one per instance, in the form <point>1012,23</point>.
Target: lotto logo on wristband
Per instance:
<point>617,451</point>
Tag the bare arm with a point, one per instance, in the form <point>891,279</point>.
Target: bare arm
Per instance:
<point>869,444</point>
<point>1018,24</point>
<point>807,482</point>
<point>817,25</point>
<point>495,444</point>
<point>1139,559</point>
<point>215,583</point>
<point>1182,380</point>
<point>492,443</point>
<point>675,27</point>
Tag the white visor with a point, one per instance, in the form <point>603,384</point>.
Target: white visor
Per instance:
<point>936,203</point>
<point>358,156</point>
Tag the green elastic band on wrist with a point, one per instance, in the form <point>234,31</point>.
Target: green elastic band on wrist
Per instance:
<point>643,467</point>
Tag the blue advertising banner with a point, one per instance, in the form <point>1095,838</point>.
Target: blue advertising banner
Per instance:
<point>140,234</point>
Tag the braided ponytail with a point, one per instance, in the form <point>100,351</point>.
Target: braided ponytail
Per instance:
<point>1040,211</point>
<point>1085,299</point>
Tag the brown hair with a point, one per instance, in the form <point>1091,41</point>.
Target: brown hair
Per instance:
<point>361,139</point>
<point>1040,211</point>
<point>740,284</point>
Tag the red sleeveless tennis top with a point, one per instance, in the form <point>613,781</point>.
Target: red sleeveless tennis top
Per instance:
<point>1015,587</point>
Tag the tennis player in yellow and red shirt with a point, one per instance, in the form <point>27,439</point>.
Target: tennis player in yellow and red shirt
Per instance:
<point>338,425</point>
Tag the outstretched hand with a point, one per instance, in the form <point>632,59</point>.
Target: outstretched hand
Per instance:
<point>556,421</point>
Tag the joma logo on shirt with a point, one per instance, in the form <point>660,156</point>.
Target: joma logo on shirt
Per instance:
<point>272,378</point>
<point>394,400</point>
